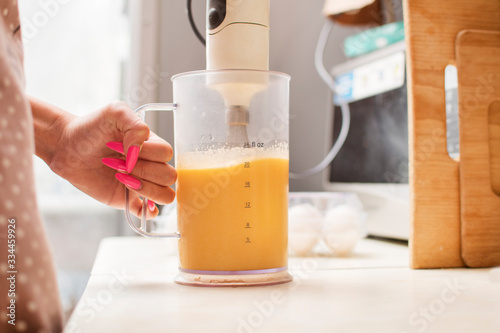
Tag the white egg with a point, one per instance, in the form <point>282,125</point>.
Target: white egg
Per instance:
<point>304,227</point>
<point>341,229</point>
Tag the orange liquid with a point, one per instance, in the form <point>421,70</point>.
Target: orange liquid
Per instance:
<point>234,218</point>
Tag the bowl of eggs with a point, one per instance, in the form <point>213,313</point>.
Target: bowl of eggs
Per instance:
<point>324,223</point>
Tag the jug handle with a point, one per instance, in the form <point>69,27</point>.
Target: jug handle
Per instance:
<point>141,230</point>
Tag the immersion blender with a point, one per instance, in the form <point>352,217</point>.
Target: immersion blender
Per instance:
<point>238,38</point>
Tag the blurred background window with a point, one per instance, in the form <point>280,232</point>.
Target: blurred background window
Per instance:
<point>76,57</point>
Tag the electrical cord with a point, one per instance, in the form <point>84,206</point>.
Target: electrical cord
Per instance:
<point>344,107</point>
<point>193,23</point>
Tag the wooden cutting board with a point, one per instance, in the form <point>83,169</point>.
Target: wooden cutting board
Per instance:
<point>431,29</point>
<point>478,65</point>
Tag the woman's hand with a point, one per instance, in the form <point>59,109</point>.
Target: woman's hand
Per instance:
<point>102,152</point>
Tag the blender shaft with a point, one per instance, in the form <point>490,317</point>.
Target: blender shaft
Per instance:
<point>237,118</point>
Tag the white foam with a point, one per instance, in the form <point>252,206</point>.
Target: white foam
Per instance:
<point>228,157</point>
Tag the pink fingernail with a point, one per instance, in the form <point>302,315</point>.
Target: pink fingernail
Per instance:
<point>151,205</point>
<point>116,146</point>
<point>132,156</point>
<point>115,163</point>
<point>129,181</point>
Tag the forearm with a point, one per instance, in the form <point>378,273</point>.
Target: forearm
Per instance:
<point>48,122</point>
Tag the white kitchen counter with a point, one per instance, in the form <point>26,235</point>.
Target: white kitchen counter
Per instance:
<point>132,290</point>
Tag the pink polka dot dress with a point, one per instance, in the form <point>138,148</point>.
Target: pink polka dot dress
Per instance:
<point>29,299</point>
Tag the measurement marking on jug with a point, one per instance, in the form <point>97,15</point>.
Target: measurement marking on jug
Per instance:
<point>248,241</point>
<point>248,204</point>
<point>253,144</point>
<point>248,226</point>
<point>247,184</point>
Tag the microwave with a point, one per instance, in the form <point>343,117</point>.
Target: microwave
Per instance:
<point>373,162</point>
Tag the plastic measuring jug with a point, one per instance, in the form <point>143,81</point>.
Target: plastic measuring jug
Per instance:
<point>231,156</point>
